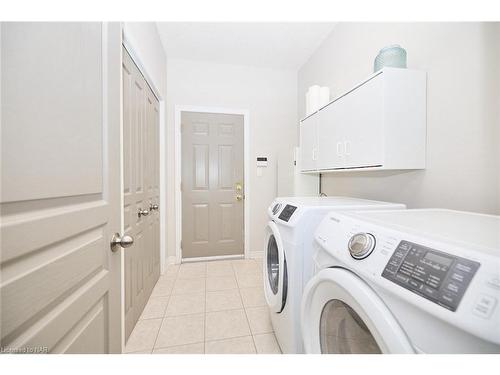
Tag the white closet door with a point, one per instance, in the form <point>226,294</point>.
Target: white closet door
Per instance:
<point>60,200</point>
<point>141,190</point>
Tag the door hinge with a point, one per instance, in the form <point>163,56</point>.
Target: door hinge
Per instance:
<point>181,244</point>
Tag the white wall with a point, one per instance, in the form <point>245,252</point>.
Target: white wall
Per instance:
<point>271,98</point>
<point>147,51</point>
<point>462,61</point>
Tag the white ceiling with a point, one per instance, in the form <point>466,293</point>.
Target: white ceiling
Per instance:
<point>273,45</point>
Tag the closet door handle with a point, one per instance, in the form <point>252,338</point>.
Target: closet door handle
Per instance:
<point>347,147</point>
<point>118,241</point>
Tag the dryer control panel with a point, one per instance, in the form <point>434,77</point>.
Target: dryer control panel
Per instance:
<point>437,276</point>
<point>287,212</point>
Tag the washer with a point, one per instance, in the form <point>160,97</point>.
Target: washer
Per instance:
<point>287,257</point>
<point>411,281</point>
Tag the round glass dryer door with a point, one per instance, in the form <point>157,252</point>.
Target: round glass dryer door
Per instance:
<point>275,273</point>
<point>273,264</point>
<point>342,314</point>
<point>342,331</point>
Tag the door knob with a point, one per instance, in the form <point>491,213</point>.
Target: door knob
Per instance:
<point>142,212</point>
<point>239,197</point>
<point>153,207</point>
<point>118,241</point>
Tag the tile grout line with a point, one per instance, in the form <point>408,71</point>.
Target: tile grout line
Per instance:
<point>176,346</point>
<point>204,342</point>
<point>246,316</point>
<point>164,314</point>
<point>205,309</point>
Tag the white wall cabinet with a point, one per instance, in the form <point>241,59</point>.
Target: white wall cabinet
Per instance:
<point>309,143</point>
<point>379,124</point>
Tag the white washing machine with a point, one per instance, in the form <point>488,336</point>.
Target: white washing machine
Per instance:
<point>287,257</point>
<point>424,281</point>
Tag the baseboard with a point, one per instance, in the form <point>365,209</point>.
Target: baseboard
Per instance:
<point>171,260</point>
<point>212,258</point>
<point>256,254</point>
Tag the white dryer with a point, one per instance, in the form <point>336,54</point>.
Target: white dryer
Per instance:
<point>424,281</point>
<point>288,256</point>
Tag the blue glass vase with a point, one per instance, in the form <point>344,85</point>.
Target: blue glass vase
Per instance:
<point>393,56</point>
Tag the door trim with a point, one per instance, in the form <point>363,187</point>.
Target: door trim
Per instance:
<point>178,171</point>
<point>112,112</point>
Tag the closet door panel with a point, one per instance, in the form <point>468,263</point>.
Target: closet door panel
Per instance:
<point>141,190</point>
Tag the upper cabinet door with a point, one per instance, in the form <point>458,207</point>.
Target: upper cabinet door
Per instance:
<point>330,136</point>
<point>309,143</point>
<point>363,125</point>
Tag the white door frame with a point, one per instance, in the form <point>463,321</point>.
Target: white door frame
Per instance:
<point>178,174</point>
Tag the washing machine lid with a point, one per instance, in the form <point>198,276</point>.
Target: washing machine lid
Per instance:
<point>292,210</point>
<point>480,232</point>
<point>334,201</point>
<point>275,271</point>
<point>343,314</point>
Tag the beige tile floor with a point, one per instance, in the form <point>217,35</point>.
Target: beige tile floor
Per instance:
<point>208,307</point>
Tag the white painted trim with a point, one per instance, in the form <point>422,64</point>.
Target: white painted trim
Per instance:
<point>122,216</point>
<point>256,255</point>
<point>178,170</point>
<point>217,257</point>
<point>170,260</point>
<point>163,188</point>
<point>137,60</point>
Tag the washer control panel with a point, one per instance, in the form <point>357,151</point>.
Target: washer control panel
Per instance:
<point>437,276</point>
<point>287,212</point>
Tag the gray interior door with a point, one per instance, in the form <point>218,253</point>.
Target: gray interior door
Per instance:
<point>60,201</point>
<point>140,190</point>
<point>212,184</point>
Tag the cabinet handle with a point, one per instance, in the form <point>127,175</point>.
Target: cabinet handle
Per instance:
<point>339,145</point>
<point>347,146</point>
<point>314,154</point>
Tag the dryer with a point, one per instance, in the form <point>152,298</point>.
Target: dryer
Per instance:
<point>412,281</point>
<point>288,256</point>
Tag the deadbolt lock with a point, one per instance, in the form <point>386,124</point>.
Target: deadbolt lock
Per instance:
<point>239,187</point>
